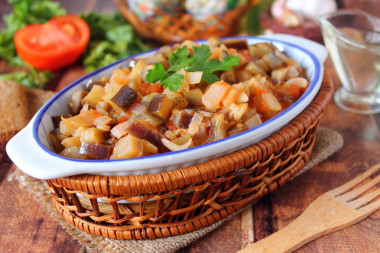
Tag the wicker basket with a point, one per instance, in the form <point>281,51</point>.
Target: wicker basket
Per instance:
<point>176,28</point>
<point>183,200</point>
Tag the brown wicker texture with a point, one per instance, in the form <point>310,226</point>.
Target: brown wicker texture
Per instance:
<point>183,200</point>
<point>176,28</point>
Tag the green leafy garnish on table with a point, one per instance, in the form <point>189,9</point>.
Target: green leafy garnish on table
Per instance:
<point>199,61</point>
<point>112,39</point>
<point>25,12</point>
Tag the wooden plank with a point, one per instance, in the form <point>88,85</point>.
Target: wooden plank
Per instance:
<point>25,227</point>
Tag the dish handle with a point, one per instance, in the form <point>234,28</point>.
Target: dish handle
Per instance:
<point>28,156</point>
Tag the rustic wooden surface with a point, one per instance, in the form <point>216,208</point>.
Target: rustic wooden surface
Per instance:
<point>26,228</point>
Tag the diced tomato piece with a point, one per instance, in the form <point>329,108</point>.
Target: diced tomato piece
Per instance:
<point>170,125</point>
<point>121,119</point>
<point>146,88</point>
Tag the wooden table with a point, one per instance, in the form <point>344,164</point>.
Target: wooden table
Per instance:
<point>26,228</point>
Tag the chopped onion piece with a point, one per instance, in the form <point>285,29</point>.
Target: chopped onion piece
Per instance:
<point>271,102</point>
<point>242,97</point>
<point>174,147</point>
<point>195,123</point>
<point>119,130</point>
<point>299,81</point>
<point>194,77</point>
<point>254,121</point>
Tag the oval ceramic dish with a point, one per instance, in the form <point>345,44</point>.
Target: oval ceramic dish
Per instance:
<point>31,151</point>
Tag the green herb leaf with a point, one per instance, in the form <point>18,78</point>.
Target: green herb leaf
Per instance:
<point>197,62</point>
<point>112,39</point>
<point>156,74</point>
<point>172,81</point>
<point>25,12</point>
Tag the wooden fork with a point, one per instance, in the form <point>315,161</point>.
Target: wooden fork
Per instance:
<point>332,211</point>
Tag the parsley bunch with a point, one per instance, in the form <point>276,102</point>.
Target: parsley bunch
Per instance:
<point>197,62</point>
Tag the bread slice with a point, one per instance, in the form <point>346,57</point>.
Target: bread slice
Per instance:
<point>36,99</point>
<point>17,106</point>
<point>13,112</point>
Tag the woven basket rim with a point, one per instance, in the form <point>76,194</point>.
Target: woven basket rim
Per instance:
<point>196,173</point>
<point>171,29</point>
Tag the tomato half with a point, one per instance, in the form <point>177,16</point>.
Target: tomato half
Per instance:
<point>56,44</point>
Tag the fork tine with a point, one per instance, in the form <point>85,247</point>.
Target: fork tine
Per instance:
<point>354,193</point>
<point>347,186</point>
<point>364,200</point>
<point>368,209</point>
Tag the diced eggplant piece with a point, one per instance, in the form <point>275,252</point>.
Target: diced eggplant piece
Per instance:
<point>237,44</point>
<point>218,128</point>
<point>75,103</point>
<point>94,150</point>
<point>151,118</point>
<point>128,63</point>
<point>125,97</point>
<point>55,141</point>
<point>128,147</point>
<point>91,84</point>
<point>179,100</point>
<point>253,68</point>
<point>161,105</point>
<point>93,135</point>
<point>235,130</point>
<point>72,152</point>
<point>194,97</point>
<point>181,119</point>
<point>259,50</point>
<point>228,77</point>
<point>273,60</point>
<point>57,119</point>
<point>120,98</point>
<point>279,75</point>
<point>144,130</point>
<point>253,121</point>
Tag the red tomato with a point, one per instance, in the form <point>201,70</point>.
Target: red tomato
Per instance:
<point>56,44</point>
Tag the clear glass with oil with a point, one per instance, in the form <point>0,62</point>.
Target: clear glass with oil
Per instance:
<point>352,38</point>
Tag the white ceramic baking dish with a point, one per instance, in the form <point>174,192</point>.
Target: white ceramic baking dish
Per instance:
<point>32,153</point>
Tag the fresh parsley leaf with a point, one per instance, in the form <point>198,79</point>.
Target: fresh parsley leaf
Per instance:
<point>156,74</point>
<point>112,39</point>
<point>197,62</point>
<point>179,59</point>
<point>172,81</point>
<point>30,79</point>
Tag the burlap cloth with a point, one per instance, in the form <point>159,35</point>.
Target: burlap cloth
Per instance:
<point>327,142</point>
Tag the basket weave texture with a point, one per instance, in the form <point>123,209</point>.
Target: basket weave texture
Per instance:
<point>176,28</point>
<point>183,200</point>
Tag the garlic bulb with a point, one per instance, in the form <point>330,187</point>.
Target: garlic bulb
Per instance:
<point>307,8</point>
<point>311,8</point>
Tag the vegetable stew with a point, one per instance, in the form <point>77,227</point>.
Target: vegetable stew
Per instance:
<point>183,96</point>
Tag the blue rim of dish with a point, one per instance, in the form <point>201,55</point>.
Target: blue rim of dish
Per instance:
<point>39,115</point>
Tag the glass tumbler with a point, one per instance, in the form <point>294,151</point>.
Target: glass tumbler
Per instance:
<point>352,38</point>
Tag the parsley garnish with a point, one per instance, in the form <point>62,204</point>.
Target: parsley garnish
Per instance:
<point>197,62</point>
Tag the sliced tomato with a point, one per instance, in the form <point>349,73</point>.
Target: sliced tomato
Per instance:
<point>56,44</point>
